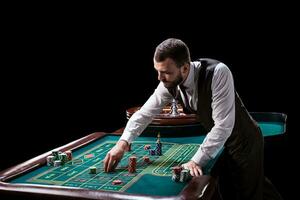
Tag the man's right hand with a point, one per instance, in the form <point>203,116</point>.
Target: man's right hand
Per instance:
<point>114,156</point>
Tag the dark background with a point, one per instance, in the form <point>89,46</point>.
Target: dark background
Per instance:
<point>65,76</point>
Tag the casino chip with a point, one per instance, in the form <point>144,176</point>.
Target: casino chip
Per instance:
<point>91,155</point>
<point>117,182</point>
<point>93,170</point>
<point>146,159</point>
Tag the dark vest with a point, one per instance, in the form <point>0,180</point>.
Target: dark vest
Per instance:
<point>245,131</point>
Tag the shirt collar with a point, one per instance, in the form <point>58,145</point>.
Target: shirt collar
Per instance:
<point>189,81</point>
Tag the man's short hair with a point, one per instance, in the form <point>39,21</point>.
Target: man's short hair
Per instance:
<point>175,49</point>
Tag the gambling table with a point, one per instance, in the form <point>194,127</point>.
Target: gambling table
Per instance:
<point>35,179</point>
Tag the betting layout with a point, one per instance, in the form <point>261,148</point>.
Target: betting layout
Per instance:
<point>144,157</point>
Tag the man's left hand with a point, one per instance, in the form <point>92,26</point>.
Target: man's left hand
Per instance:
<point>195,169</point>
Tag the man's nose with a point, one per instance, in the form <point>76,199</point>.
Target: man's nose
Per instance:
<point>161,77</point>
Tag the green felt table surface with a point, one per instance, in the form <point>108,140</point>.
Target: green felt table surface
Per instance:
<point>272,128</point>
<point>150,179</point>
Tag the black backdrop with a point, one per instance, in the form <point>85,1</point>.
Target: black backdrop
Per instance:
<point>66,78</point>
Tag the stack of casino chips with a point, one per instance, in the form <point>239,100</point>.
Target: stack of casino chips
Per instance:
<point>132,164</point>
<point>158,150</point>
<point>58,158</point>
<point>69,154</point>
<point>152,152</point>
<point>50,160</point>
<point>158,147</point>
<point>184,175</point>
<point>147,147</point>
<point>57,163</point>
<point>93,170</point>
<point>180,174</point>
<point>146,159</point>
<point>176,172</point>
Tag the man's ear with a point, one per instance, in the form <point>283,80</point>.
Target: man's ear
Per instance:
<point>185,68</point>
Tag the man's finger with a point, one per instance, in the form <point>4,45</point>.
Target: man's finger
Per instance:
<point>110,163</point>
<point>196,172</point>
<point>105,162</point>
<point>115,164</point>
<point>200,172</point>
<point>192,172</point>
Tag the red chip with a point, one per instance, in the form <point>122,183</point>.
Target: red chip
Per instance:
<point>146,159</point>
<point>147,147</point>
<point>117,182</point>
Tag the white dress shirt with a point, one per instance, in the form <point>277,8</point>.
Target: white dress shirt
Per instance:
<point>223,110</point>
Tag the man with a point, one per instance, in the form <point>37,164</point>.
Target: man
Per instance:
<point>204,87</point>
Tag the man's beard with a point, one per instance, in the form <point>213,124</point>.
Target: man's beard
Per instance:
<point>174,83</point>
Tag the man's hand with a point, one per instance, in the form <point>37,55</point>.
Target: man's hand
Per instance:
<point>195,169</point>
<point>114,156</point>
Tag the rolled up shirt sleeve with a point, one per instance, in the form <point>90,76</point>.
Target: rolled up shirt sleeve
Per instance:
<point>223,114</point>
<point>143,117</point>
